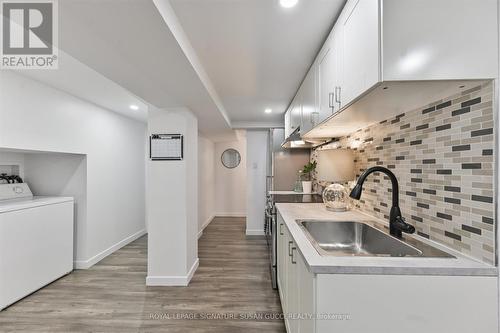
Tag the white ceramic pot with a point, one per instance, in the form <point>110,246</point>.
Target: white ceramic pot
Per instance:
<point>307,186</point>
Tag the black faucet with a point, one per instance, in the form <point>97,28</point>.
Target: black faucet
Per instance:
<point>397,223</point>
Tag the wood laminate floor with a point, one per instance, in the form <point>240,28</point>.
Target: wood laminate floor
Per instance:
<point>232,281</point>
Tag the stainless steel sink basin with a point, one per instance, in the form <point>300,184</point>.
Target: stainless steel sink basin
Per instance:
<point>349,238</point>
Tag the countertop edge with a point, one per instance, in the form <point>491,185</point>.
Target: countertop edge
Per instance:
<point>429,271</point>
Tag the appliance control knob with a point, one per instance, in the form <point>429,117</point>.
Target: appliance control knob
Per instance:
<point>17,189</point>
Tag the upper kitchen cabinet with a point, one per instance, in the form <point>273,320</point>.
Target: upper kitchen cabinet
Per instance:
<point>307,92</point>
<point>296,112</point>
<point>288,125</point>
<point>326,82</point>
<point>329,80</point>
<point>439,40</point>
<point>384,57</point>
<point>400,40</point>
<point>359,25</point>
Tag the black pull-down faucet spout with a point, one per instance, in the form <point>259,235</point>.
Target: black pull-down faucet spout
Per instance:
<point>397,224</point>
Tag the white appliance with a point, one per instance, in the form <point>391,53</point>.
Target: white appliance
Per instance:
<point>36,241</point>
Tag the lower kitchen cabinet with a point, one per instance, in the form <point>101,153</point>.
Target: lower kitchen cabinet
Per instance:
<point>282,261</point>
<point>354,303</point>
<point>296,285</point>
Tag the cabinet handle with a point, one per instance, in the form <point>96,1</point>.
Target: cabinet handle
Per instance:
<point>281,229</point>
<point>337,95</point>
<point>290,253</point>
<point>293,258</point>
<point>314,117</point>
<point>330,99</point>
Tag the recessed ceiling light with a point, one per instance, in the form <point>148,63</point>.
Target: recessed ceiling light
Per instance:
<point>268,110</point>
<point>134,107</point>
<point>288,3</point>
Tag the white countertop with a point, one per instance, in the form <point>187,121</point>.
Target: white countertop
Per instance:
<point>290,212</point>
<point>24,203</point>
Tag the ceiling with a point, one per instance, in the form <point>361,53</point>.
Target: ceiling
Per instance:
<point>255,52</point>
<point>90,86</point>
<point>130,43</point>
<point>226,60</point>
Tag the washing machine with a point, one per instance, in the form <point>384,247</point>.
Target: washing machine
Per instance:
<point>36,241</point>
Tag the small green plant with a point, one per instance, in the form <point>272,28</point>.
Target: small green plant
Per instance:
<point>308,169</point>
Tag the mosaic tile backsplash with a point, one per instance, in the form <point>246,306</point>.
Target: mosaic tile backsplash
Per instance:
<point>443,156</point>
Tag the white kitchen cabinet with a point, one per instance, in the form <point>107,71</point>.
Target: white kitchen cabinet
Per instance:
<point>296,112</point>
<point>407,40</point>
<point>281,262</point>
<point>288,125</point>
<point>301,292</point>
<point>306,288</point>
<point>439,40</point>
<point>292,286</point>
<point>360,48</point>
<point>412,50</point>
<point>310,115</point>
<point>406,303</point>
<point>296,284</point>
<point>330,76</point>
<point>400,40</point>
<point>381,303</point>
<point>326,82</point>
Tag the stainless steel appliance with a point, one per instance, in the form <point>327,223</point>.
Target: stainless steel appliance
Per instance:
<point>282,170</point>
<point>284,164</point>
<point>270,225</point>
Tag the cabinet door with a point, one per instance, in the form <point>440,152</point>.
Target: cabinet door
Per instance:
<point>361,56</point>
<point>306,295</point>
<point>338,75</point>
<point>326,80</point>
<point>292,287</point>
<point>288,124</point>
<point>282,257</point>
<point>310,115</point>
<point>296,283</point>
<point>296,112</point>
<point>418,44</point>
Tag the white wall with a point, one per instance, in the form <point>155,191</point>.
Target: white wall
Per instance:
<point>257,155</point>
<point>206,182</point>
<point>53,174</point>
<point>230,184</point>
<point>172,203</point>
<point>34,116</point>
<point>50,174</point>
<point>12,163</point>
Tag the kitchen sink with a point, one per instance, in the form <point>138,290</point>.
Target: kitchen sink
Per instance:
<point>351,238</point>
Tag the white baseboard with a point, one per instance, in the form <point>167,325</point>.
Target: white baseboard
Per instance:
<point>230,214</point>
<point>255,232</point>
<point>205,224</point>
<point>86,264</point>
<point>181,280</point>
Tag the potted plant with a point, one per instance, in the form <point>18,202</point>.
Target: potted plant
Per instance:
<point>306,177</point>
